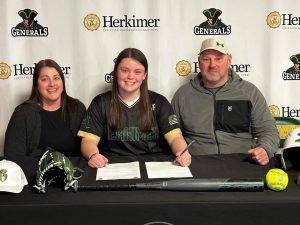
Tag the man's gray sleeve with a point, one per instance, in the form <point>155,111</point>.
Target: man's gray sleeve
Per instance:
<point>263,124</point>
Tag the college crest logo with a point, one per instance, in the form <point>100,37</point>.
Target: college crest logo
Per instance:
<point>92,22</point>
<point>29,26</point>
<point>275,110</point>
<point>213,25</point>
<point>183,68</point>
<point>293,73</point>
<point>5,71</point>
<point>274,19</point>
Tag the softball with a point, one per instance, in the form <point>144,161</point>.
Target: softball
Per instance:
<point>277,179</point>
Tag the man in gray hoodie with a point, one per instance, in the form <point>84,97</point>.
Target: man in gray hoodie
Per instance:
<point>222,112</point>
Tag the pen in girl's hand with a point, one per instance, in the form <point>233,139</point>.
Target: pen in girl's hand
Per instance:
<point>187,148</point>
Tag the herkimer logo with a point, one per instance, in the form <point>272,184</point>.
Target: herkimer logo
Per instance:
<point>242,69</point>
<point>26,72</point>
<point>5,71</point>
<point>183,68</point>
<point>126,23</point>
<point>286,20</point>
<point>286,122</point>
<point>92,22</point>
<point>29,27</point>
<point>293,73</point>
<point>285,111</point>
<point>213,25</point>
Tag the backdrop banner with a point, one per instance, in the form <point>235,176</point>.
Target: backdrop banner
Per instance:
<point>84,37</point>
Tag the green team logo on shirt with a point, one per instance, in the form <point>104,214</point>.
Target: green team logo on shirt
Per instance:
<point>173,120</point>
<point>86,122</point>
<point>134,134</point>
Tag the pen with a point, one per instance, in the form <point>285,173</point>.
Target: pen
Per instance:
<point>187,148</point>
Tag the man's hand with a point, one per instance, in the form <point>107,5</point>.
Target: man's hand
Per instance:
<point>259,155</point>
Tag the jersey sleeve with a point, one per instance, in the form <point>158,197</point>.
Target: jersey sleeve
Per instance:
<point>166,119</point>
<point>94,121</point>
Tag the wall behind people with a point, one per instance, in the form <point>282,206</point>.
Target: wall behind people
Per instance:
<point>84,37</point>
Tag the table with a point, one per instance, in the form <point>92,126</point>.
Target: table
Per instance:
<point>153,206</point>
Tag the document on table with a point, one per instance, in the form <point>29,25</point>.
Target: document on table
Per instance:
<point>166,170</point>
<point>118,171</point>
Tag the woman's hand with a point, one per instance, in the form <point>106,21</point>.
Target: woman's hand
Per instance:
<point>97,160</point>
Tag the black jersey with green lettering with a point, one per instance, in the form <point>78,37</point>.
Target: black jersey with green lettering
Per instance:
<point>130,140</point>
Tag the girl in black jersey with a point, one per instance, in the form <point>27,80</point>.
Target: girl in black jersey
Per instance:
<point>130,119</point>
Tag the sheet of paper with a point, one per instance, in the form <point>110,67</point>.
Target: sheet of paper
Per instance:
<point>118,171</point>
<point>166,170</point>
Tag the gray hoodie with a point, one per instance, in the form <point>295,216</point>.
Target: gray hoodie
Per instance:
<point>233,120</point>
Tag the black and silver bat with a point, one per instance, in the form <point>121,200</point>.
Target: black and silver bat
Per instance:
<point>201,184</point>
